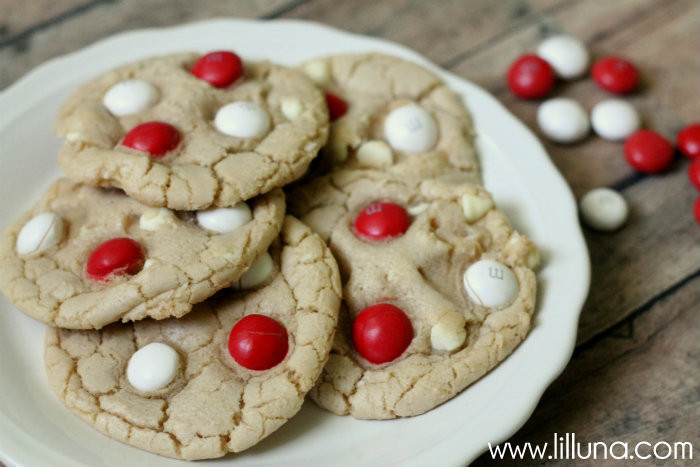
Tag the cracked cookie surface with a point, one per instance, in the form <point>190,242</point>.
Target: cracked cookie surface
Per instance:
<point>207,167</point>
<point>372,86</point>
<point>456,340</point>
<point>213,405</point>
<point>183,263</point>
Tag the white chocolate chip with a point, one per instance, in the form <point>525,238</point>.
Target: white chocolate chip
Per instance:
<point>319,71</point>
<point>153,367</point>
<point>291,108</point>
<point>475,207</point>
<point>490,283</point>
<point>242,119</point>
<point>222,220</point>
<point>258,272</point>
<point>417,209</point>
<point>311,146</point>
<point>148,263</point>
<point>153,219</point>
<point>41,232</point>
<point>446,337</point>
<point>130,97</point>
<point>375,153</point>
<point>73,136</point>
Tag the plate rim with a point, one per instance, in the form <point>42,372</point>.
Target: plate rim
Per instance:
<point>14,99</point>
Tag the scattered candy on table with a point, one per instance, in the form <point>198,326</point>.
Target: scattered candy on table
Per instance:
<point>563,120</point>
<point>615,74</point>
<point>531,77</point>
<point>648,151</point>
<point>614,119</point>
<point>604,209</point>
<point>566,54</point>
<point>381,333</point>
<point>258,342</point>
<point>153,367</point>
<point>689,140</point>
<point>155,138</point>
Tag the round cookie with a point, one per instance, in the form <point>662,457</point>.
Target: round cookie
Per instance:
<point>209,404</point>
<point>169,138</point>
<point>387,113</point>
<point>438,289</point>
<point>102,257</point>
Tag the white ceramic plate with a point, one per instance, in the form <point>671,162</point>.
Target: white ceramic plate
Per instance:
<point>37,431</point>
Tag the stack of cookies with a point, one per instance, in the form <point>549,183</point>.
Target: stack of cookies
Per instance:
<point>188,316</point>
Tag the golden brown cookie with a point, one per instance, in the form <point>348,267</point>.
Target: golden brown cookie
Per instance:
<point>438,288</point>
<point>85,257</point>
<point>391,114</point>
<point>175,387</point>
<point>171,138</point>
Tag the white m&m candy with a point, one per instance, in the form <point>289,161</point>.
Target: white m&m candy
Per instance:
<point>130,97</point>
<point>410,129</point>
<point>242,119</point>
<point>41,232</point>
<point>604,209</point>
<point>222,220</point>
<point>491,284</point>
<point>615,119</point>
<point>567,55</point>
<point>259,272</point>
<point>153,367</point>
<point>563,120</point>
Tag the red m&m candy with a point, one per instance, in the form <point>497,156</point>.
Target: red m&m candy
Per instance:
<point>694,173</point>
<point>218,68</point>
<point>119,256</point>
<point>258,342</point>
<point>689,140</point>
<point>648,151</point>
<point>380,221</point>
<point>530,77</point>
<point>337,107</point>
<point>381,333</point>
<point>615,74</point>
<point>155,138</point>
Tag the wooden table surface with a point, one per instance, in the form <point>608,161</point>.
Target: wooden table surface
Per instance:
<point>635,374</point>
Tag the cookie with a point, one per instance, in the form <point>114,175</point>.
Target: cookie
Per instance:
<point>84,257</point>
<point>184,387</point>
<point>189,132</point>
<point>391,114</point>
<point>438,288</point>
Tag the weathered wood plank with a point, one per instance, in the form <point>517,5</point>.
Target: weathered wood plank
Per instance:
<point>638,383</point>
<point>665,102</point>
<point>113,17</point>
<point>18,16</point>
<point>441,31</point>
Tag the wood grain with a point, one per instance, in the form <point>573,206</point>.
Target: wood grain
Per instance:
<point>637,383</point>
<point>19,17</point>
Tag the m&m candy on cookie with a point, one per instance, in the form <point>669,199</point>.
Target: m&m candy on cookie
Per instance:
<point>258,342</point>
<point>115,257</point>
<point>381,333</point>
<point>220,69</point>
<point>382,221</point>
<point>154,138</point>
